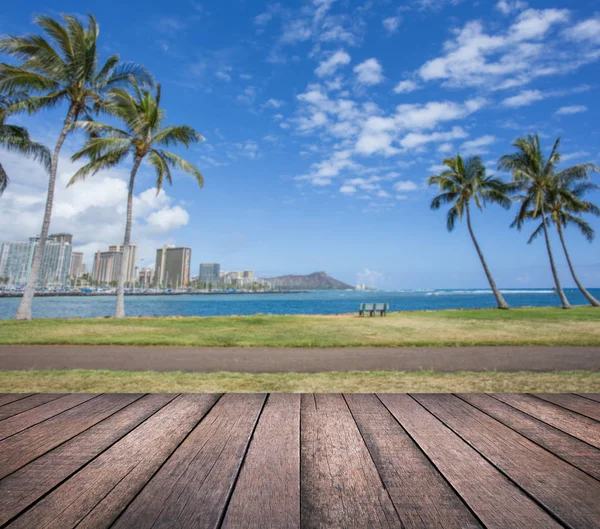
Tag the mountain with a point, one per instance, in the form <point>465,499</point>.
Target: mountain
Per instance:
<point>314,281</point>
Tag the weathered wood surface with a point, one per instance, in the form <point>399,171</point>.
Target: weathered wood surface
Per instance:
<point>300,461</point>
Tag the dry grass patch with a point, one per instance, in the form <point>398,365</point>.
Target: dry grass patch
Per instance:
<point>351,382</point>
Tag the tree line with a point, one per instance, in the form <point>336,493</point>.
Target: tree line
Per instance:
<point>545,195</point>
<point>61,67</point>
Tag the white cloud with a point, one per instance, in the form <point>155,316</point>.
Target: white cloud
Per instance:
<point>506,59</point>
<point>478,145</point>
<point>404,87</point>
<point>507,7</point>
<point>273,103</point>
<point>248,95</point>
<point>415,140</point>
<point>330,65</point>
<point>391,24</point>
<point>437,169</point>
<point>587,30</point>
<point>574,109</point>
<point>167,219</point>
<point>577,155</point>
<point>347,189</point>
<point>93,210</point>
<point>368,277</point>
<point>445,148</point>
<point>405,185</point>
<point>526,97</point>
<point>369,72</point>
<point>223,75</point>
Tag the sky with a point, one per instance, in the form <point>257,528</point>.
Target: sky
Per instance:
<point>323,120</point>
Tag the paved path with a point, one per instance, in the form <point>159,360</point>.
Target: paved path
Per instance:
<point>281,360</point>
<point>289,461</point>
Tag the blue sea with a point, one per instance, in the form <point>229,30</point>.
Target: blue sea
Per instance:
<point>318,302</point>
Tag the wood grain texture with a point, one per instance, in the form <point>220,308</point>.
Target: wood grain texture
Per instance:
<point>193,486</point>
<point>574,403</point>
<point>22,488</point>
<point>340,486</point>
<point>406,471</point>
<point>576,452</point>
<point>7,398</point>
<point>573,423</point>
<point>496,501</point>
<point>591,396</point>
<point>267,492</point>
<point>18,450</point>
<point>21,405</point>
<point>117,475</point>
<point>567,492</point>
<point>24,420</point>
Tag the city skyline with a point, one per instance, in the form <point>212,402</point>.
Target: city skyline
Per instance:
<point>322,121</point>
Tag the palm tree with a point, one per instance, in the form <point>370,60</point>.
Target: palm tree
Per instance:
<point>462,183</point>
<point>565,205</point>
<point>536,176</point>
<point>108,146</point>
<point>16,139</point>
<point>61,67</point>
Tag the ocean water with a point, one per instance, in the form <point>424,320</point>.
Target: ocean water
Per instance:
<point>318,302</point>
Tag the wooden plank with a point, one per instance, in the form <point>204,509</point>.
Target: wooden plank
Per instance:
<point>406,471</point>
<point>25,420</point>
<point>18,450</point>
<point>193,486</point>
<point>7,398</point>
<point>340,486</point>
<point>576,452</point>
<point>24,487</point>
<point>574,424</point>
<point>267,492</point>
<point>570,494</point>
<point>495,500</point>
<point>591,396</point>
<point>574,403</point>
<point>21,405</point>
<point>121,471</point>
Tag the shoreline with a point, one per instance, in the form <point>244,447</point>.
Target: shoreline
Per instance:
<point>95,294</point>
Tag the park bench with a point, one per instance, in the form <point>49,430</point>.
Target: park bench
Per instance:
<point>373,308</point>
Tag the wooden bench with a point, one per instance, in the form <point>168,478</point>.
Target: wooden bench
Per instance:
<point>373,308</point>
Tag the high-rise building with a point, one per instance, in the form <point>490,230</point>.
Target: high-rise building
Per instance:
<point>210,273</point>
<point>16,259</point>
<point>172,266</point>
<point>145,277</point>
<point>76,268</point>
<point>107,264</point>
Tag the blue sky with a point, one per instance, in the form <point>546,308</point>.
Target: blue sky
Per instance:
<point>322,120</point>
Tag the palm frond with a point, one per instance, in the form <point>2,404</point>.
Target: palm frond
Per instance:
<point>175,135</point>
<point>183,165</point>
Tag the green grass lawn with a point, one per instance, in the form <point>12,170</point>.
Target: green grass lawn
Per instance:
<point>351,382</point>
<point>527,326</point>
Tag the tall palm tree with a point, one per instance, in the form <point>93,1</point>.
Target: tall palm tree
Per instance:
<point>61,66</point>
<point>462,183</point>
<point>143,133</point>
<point>16,139</point>
<point>536,176</point>
<point>564,205</point>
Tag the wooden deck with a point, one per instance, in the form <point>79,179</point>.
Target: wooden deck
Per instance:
<point>290,461</point>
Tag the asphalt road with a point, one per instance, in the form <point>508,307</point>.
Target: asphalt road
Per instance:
<point>281,360</point>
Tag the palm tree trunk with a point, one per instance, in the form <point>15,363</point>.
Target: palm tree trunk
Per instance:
<point>561,294</point>
<point>120,308</point>
<point>502,304</point>
<point>593,301</point>
<point>24,310</point>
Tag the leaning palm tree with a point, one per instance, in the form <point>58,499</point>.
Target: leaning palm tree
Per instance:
<point>536,176</point>
<point>61,66</point>
<point>16,139</point>
<point>462,183</point>
<point>143,133</point>
<point>565,205</point>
